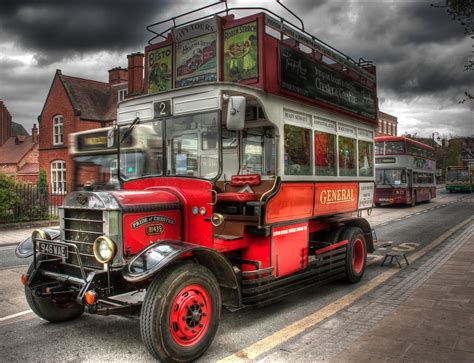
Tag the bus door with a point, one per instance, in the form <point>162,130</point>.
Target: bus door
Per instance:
<point>410,182</point>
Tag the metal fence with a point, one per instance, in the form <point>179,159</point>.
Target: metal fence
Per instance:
<point>28,202</point>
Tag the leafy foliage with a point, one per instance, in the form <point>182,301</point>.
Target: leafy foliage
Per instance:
<point>8,197</point>
<point>462,11</point>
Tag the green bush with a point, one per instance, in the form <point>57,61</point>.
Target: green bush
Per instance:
<point>8,197</point>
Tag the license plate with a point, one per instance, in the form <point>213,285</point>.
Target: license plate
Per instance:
<point>384,199</point>
<point>53,249</point>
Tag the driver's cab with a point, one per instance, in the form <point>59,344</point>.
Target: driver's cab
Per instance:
<point>249,160</point>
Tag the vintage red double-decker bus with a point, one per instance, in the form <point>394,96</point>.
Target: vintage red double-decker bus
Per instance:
<point>238,185</point>
<point>404,171</point>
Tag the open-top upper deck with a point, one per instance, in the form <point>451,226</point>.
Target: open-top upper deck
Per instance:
<point>263,51</point>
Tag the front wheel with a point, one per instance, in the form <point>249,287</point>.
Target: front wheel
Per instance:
<point>54,310</point>
<point>181,313</point>
<point>356,256</point>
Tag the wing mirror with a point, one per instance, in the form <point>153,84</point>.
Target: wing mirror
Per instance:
<point>235,112</point>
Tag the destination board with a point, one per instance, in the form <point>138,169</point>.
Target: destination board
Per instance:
<point>302,74</point>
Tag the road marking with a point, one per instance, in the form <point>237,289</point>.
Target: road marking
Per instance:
<point>266,344</point>
<point>15,315</point>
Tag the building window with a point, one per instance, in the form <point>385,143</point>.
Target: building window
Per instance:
<point>389,128</point>
<point>380,126</point>
<point>385,127</point>
<point>394,130</point>
<point>122,93</point>
<point>58,130</point>
<point>58,177</point>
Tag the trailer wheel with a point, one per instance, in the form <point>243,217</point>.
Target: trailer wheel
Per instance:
<point>54,311</point>
<point>181,313</point>
<point>356,257</point>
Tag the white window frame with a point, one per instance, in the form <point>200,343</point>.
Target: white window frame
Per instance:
<point>58,177</point>
<point>122,93</point>
<point>58,123</point>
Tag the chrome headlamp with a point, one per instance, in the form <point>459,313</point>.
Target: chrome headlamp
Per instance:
<point>104,249</point>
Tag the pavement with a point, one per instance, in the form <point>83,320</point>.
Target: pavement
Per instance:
<point>11,237</point>
<point>435,322</point>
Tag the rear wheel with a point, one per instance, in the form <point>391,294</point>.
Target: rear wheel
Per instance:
<point>181,313</point>
<point>356,257</point>
<point>56,310</point>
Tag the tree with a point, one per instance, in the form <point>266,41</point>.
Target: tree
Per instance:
<point>462,11</point>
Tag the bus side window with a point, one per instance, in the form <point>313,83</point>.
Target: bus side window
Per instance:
<point>297,151</point>
<point>259,151</point>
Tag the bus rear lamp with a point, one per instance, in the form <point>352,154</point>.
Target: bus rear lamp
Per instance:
<point>217,219</point>
<point>202,211</point>
<point>24,279</point>
<point>104,249</point>
<point>90,297</point>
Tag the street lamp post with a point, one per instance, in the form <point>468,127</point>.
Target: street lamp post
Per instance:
<point>436,138</point>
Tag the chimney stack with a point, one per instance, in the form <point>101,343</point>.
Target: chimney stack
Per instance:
<point>135,74</point>
<point>34,134</point>
<point>5,123</point>
<point>118,75</point>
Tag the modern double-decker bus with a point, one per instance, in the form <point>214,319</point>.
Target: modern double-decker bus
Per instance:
<point>404,171</point>
<point>243,174</point>
<point>460,179</point>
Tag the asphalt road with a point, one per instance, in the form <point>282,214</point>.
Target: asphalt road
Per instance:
<point>27,337</point>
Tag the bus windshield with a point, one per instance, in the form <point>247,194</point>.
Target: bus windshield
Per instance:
<point>96,172</point>
<point>457,175</point>
<point>176,146</point>
<point>390,177</point>
<point>389,148</point>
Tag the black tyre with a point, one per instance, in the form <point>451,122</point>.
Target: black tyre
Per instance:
<point>356,257</point>
<point>181,313</point>
<point>53,310</point>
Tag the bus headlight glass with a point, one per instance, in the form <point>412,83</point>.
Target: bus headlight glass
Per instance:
<point>104,249</point>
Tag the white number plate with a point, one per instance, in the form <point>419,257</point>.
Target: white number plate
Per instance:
<point>53,249</point>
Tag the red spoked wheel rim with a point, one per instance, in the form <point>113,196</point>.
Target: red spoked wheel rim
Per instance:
<point>358,256</point>
<point>189,316</point>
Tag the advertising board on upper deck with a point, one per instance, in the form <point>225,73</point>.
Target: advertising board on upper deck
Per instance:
<point>245,50</point>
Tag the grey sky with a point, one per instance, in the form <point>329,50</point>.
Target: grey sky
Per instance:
<point>418,50</point>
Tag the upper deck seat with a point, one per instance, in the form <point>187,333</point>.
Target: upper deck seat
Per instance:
<point>241,181</point>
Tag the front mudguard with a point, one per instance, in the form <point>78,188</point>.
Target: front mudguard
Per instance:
<point>159,255</point>
<point>25,248</point>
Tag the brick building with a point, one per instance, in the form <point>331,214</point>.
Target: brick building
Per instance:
<point>74,104</point>
<point>18,150</point>
<point>388,124</point>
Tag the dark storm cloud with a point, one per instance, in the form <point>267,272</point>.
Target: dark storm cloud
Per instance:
<point>57,29</point>
<point>418,49</point>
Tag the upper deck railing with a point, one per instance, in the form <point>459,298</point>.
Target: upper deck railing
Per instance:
<point>272,20</point>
